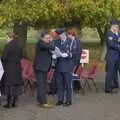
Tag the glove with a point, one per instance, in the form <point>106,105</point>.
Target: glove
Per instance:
<point>64,55</point>
<point>57,49</point>
<point>54,56</point>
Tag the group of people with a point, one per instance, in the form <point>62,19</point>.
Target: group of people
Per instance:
<point>64,48</point>
<point>59,48</point>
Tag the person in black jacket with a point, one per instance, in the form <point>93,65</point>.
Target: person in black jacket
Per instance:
<point>42,62</point>
<point>11,57</point>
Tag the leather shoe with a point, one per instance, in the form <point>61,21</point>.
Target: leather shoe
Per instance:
<point>7,106</point>
<point>108,91</point>
<point>66,104</point>
<point>59,103</point>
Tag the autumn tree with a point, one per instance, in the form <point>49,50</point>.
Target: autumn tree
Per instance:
<point>95,14</point>
<point>35,13</point>
<point>53,13</point>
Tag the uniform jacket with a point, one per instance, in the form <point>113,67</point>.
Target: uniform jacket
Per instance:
<point>72,48</point>
<point>76,51</point>
<point>113,46</point>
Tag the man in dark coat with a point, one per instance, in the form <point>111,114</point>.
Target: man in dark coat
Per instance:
<point>11,58</point>
<point>112,56</point>
<point>42,64</point>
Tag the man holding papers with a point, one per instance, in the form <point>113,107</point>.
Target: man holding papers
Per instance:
<point>68,54</point>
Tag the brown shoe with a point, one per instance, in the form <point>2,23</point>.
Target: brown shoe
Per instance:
<point>48,106</point>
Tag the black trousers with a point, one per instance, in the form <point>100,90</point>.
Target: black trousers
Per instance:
<point>13,90</point>
<point>41,86</point>
<point>64,85</point>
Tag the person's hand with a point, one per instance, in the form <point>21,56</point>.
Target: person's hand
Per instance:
<point>51,40</point>
<point>57,49</point>
<point>54,56</point>
<point>64,55</point>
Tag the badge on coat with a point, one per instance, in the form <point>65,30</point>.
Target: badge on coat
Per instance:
<point>118,39</point>
<point>110,38</point>
<point>67,46</point>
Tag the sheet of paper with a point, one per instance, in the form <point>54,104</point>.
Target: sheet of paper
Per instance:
<point>57,52</point>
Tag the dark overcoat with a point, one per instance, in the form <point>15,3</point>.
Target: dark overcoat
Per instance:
<point>43,56</point>
<point>12,55</point>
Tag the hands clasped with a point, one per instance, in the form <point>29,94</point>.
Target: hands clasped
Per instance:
<point>64,55</point>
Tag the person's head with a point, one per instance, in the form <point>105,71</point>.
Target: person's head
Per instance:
<point>46,37</point>
<point>61,32</point>
<point>72,33</point>
<point>114,26</point>
<point>53,33</point>
<point>63,36</point>
<point>11,36</point>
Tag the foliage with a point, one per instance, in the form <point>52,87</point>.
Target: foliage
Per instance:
<point>33,12</point>
<point>95,12</point>
<point>56,12</point>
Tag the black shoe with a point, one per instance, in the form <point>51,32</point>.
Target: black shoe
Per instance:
<point>66,104</point>
<point>14,101</point>
<point>7,106</point>
<point>108,91</point>
<point>59,103</point>
<point>14,105</point>
<point>115,87</point>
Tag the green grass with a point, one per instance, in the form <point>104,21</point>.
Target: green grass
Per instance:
<point>95,50</point>
<point>88,35</point>
<point>89,38</point>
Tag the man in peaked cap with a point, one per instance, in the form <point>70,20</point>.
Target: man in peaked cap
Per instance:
<point>60,30</point>
<point>112,56</point>
<point>64,69</point>
<point>115,22</point>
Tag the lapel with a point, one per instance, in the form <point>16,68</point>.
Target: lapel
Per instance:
<point>116,37</point>
<point>73,45</point>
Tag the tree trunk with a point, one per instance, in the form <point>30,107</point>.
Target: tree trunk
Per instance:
<point>20,29</point>
<point>102,41</point>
